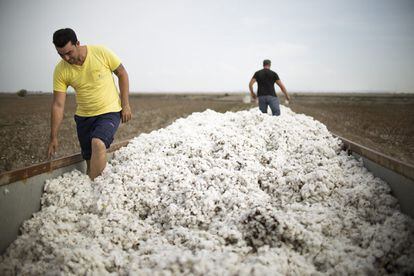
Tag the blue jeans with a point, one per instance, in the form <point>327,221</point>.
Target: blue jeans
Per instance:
<point>271,101</point>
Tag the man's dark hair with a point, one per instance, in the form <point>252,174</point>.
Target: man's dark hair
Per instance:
<point>266,62</point>
<point>63,36</point>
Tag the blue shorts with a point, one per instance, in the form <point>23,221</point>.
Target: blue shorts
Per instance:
<point>272,101</point>
<point>101,126</point>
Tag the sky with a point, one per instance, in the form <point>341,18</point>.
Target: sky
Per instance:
<point>217,45</point>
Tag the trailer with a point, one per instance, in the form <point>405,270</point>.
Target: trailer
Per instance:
<point>21,189</point>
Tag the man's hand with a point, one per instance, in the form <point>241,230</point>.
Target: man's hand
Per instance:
<point>126,113</point>
<point>253,98</point>
<point>123,82</point>
<point>283,88</point>
<point>287,101</point>
<point>53,146</point>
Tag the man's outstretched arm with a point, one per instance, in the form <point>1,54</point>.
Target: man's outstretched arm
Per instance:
<point>252,81</point>
<point>58,109</point>
<point>123,82</point>
<point>283,88</point>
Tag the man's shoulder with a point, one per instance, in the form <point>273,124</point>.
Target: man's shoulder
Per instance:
<point>100,51</point>
<point>273,72</point>
<point>258,72</point>
<point>61,66</point>
<point>96,49</point>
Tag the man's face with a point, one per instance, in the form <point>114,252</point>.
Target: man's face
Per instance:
<point>69,52</point>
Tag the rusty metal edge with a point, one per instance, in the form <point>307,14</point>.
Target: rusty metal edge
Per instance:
<point>48,166</point>
<point>400,167</point>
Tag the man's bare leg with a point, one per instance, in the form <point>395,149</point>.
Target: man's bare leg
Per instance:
<point>88,166</point>
<point>98,158</point>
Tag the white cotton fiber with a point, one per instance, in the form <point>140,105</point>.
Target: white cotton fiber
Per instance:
<point>224,194</point>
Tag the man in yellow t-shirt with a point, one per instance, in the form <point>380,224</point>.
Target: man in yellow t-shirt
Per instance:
<point>88,69</point>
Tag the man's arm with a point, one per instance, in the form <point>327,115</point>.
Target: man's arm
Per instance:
<point>283,88</point>
<point>252,81</point>
<point>123,83</point>
<point>58,109</point>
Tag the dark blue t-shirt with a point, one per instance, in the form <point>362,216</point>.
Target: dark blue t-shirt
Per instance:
<point>266,79</point>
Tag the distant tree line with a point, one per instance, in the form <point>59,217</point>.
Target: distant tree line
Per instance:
<point>22,93</point>
<point>25,92</point>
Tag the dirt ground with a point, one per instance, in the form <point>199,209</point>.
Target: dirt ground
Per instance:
<point>383,123</point>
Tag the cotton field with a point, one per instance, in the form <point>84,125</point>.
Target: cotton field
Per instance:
<point>239,193</point>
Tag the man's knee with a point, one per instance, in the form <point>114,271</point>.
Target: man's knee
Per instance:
<point>98,145</point>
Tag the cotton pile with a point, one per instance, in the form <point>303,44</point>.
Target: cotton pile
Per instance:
<point>239,193</point>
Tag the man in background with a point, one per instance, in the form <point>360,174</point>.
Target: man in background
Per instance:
<point>266,79</point>
<point>88,69</point>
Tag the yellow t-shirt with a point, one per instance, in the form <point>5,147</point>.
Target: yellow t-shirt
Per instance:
<point>96,92</point>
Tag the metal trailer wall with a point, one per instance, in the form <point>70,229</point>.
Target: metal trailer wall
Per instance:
<point>20,199</point>
<point>398,175</point>
<point>402,187</point>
